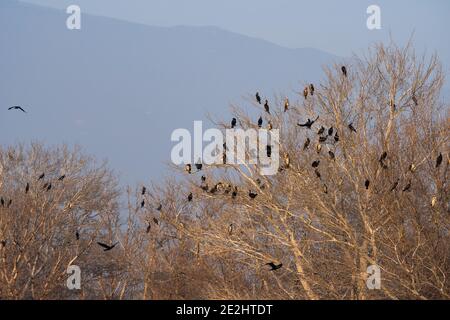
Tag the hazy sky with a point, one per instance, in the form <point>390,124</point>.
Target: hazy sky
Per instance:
<point>338,27</point>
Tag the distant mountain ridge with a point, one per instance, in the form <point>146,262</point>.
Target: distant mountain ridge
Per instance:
<point>120,89</point>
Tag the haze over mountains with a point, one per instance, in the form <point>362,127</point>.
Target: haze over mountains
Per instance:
<point>119,89</point>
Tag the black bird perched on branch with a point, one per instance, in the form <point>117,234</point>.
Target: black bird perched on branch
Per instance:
<point>258,97</point>
<point>233,123</point>
<point>190,196</point>
<point>41,176</point>
<point>351,127</point>
<point>331,154</point>
<point>394,186</point>
<point>77,235</point>
<point>142,203</point>
<point>27,188</point>
<point>330,131</point>
<point>17,108</point>
<point>144,189</point>
<point>269,151</point>
<point>311,89</point>
<point>344,71</point>
<point>198,166</point>
<point>315,164</point>
<point>274,266</point>
<point>367,184</point>
<point>260,122</point>
<point>252,194</point>
<point>107,247</point>
<point>266,106</point>
<point>407,187</point>
<point>203,178</point>
<point>308,124</point>
<point>439,160</point>
<point>306,144</point>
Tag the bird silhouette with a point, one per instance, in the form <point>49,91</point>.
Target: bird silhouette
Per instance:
<point>252,194</point>
<point>258,97</point>
<point>198,166</point>
<point>17,108</point>
<point>190,197</point>
<point>439,160</point>
<point>144,189</point>
<point>407,187</point>
<point>27,188</point>
<point>331,154</point>
<point>315,164</point>
<point>203,178</point>
<point>286,104</point>
<point>260,122</point>
<point>311,89</point>
<point>394,186</point>
<point>142,203</point>
<point>344,71</point>
<point>41,176</point>
<point>367,184</point>
<point>330,131</point>
<point>77,235</point>
<point>274,266</point>
<point>188,168</point>
<point>321,130</point>
<point>336,137</point>
<point>107,247</point>
<point>269,151</point>
<point>233,123</point>
<point>306,144</point>
<point>351,127</point>
<point>308,124</point>
<point>266,106</point>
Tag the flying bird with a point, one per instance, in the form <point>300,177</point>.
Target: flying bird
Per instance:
<point>107,247</point>
<point>233,123</point>
<point>308,124</point>
<point>344,71</point>
<point>258,97</point>
<point>439,160</point>
<point>274,266</point>
<point>17,108</point>
<point>266,106</point>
